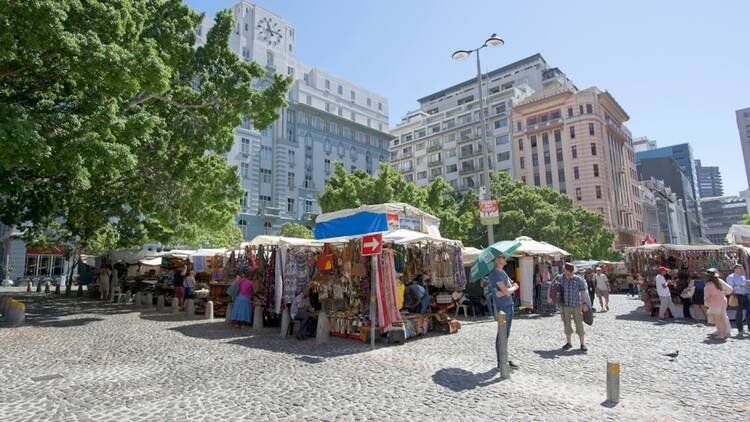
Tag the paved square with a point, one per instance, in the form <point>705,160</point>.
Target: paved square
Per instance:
<point>80,360</point>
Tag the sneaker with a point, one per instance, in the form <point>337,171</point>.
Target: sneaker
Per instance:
<point>584,349</point>
<point>567,346</point>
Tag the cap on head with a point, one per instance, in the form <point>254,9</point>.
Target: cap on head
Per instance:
<point>738,266</point>
<point>598,268</point>
<point>713,272</point>
<point>663,269</point>
<point>570,267</point>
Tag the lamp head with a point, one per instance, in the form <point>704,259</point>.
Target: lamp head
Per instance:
<point>494,41</point>
<point>461,55</point>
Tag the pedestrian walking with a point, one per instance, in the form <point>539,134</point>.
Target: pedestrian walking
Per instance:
<point>502,288</point>
<point>741,287</point>
<point>602,289</point>
<point>663,281</point>
<point>686,295</point>
<point>242,308</point>
<point>715,297</point>
<point>190,285</point>
<point>591,285</point>
<point>178,283</point>
<point>572,289</point>
<point>103,281</point>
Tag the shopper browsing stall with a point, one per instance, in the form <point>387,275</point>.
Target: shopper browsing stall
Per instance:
<point>303,312</point>
<point>416,298</point>
<point>242,311</point>
<point>742,290</point>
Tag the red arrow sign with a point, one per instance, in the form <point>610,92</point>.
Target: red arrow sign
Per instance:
<point>372,244</point>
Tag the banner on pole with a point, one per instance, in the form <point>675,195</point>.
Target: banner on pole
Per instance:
<point>489,212</point>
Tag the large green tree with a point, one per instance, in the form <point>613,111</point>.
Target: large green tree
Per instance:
<point>113,123</point>
<point>524,210</point>
<point>295,230</point>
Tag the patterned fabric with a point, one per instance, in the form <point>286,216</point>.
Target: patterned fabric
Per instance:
<point>458,268</point>
<point>268,301</point>
<point>296,274</point>
<point>386,289</point>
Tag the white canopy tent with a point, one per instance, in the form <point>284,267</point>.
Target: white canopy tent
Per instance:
<point>470,255</point>
<point>739,234</point>
<point>525,253</point>
<point>531,247</point>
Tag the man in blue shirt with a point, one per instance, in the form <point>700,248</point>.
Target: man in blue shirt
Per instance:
<point>742,290</point>
<point>575,301</point>
<point>502,289</point>
<point>416,298</point>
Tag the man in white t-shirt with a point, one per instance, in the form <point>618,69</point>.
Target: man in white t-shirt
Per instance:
<point>602,289</point>
<point>665,297</point>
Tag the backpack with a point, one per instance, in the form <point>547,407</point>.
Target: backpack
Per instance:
<point>557,291</point>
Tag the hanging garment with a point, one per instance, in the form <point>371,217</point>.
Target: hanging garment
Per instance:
<point>199,264</point>
<point>458,268</point>
<point>270,295</point>
<point>279,279</point>
<point>386,291</point>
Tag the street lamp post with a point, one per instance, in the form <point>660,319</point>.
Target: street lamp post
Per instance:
<point>493,41</point>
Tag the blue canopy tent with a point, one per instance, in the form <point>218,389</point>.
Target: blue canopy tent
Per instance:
<point>378,218</point>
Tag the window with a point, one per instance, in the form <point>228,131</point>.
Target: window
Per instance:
<point>243,225</point>
<point>328,84</point>
<point>290,158</point>
<point>290,180</point>
<point>328,107</point>
<point>341,90</point>
<point>290,71</point>
<point>308,182</point>
<point>596,170</point>
<point>518,125</point>
<point>502,140</point>
<point>327,166</point>
<point>369,102</point>
<point>353,116</point>
<point>561,175</point>
<point>422,175</point>
<point>243,201</point>
<point>593,148</point>
<point>501,123</point>
<point>534,159</point>
<point>308,100</point>
<point>522,161</point>
<point>269,58</point>
<point>558,137</point>
<point>574,151</point>
<point>546,157</point>
<point>308,206</point>
<point>570,111</point>
<point>548,177</point>
<point>265,175</point>
<point>245,52</point>
<point>244,170</point>
<point>420,146</point>
<point>598,192</point>
<point>353,154</point>
<point>451,168</point>
<point>245,147</point>
<point>380,106</point>
<point>533,141</point>
<point>353,95</point>
<point>591,129</point>
<point>589,109</point>
<point>537,180</point>
<point>503,156</point>
<point>576,174</point>
<point>520,144</point>
<point>580,109</point>
<point>265,201</point>
<point>500,108</point>
<point>545,139</point>
<point>579,196</point>
<point>290,205</point>
<point>572,132</point>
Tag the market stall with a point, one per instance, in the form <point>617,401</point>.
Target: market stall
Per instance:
<point>533,261</point>
<point>688,262</point>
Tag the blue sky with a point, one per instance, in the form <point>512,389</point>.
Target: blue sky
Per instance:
<point>679,68</point>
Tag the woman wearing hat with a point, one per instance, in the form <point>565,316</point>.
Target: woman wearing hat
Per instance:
<point>715,297</point>
<point>665,296</point>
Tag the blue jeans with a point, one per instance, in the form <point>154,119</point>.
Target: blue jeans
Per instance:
<point>508,309</point>
<point>743,312</point>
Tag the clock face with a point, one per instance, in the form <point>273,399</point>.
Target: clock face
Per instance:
<point>269,31</point>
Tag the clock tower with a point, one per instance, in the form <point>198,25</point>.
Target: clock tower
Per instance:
<point>263,37</point>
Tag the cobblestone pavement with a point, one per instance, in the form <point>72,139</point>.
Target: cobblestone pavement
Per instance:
<point>78,360</point>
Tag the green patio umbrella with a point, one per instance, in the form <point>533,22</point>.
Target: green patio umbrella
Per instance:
<point>485,262</point>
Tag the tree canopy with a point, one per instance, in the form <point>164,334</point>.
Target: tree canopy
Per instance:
<point>295,230</point>
<point>539,213</point>
<point>113,123</point>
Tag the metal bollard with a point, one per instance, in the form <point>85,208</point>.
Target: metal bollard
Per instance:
<point>209,310</point>
<point>190,307</point>
<point>138,299</point>
<point>502,344</point>
<point>228,314</point>
<point>149,300</point>
<point>175,305</point>
<point>258,317</point>
<point>613,381</point>
<point>160,303</point>
<point>285,320</point>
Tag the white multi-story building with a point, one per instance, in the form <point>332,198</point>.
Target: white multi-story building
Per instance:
<point>444,138</point>
<point>329,119</point>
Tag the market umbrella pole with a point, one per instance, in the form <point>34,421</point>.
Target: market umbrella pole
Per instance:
<point>373,280</point>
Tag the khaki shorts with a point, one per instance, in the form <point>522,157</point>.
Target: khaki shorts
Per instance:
<point>572,313</point>
<point>602,293</point>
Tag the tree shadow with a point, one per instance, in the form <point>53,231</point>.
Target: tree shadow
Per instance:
<point>213,330</point>
<point>307,350</point>
<point>45,309</point>
<point>170,317</point>
<point>457,379</point>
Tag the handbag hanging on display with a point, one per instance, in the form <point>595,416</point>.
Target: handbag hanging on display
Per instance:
<point>325,261</point>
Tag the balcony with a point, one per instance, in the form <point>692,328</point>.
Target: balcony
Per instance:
<point>467,170</point>
<point>435,162</point>
<point>463,139</point>
<point>407,169</point>
<point>434,147</point>
<point>470,153</point>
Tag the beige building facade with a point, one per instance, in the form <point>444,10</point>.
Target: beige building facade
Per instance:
<point>575,142</point>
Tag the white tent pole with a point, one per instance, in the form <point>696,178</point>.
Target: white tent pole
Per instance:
<point>373,280</point>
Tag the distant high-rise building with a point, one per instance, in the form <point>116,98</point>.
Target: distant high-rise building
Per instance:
<point>668,226</point>
<point>667,170</point>
<point>709,180</point>
<point>743,126</point>
<point>575,142</point>
<point>444,137</point>
<point>719,213</point>
<point>643,144</point>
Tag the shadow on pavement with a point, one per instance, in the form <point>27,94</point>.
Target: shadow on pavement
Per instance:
<point>76,322</point>
<point>218,330</point>
<point>458,379</point>
<point>45,309</point>
<point>556,353</point>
